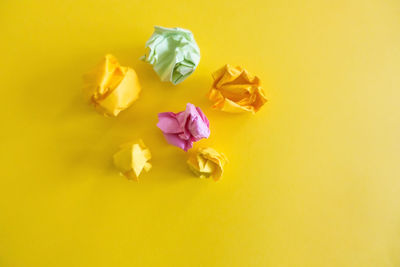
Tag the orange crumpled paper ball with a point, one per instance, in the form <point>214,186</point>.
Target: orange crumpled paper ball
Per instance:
<point>236,90</point>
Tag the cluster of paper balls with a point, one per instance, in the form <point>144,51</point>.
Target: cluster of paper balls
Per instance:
<point>174,55</point>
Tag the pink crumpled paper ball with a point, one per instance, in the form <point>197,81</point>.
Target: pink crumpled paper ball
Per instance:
<point>183,128</point>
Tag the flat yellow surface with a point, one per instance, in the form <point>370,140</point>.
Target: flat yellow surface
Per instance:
<point>313,178</point>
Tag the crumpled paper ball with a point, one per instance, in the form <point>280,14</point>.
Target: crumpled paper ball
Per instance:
<point>173,52</point>
<point>132,159</point>
<point>207,162</point>
<point>183,128</point>
<point>110,87</point>
<point>236,90</point>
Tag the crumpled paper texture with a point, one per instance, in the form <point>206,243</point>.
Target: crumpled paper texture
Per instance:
<point>235,90</point>
<point>132,159</point>
<point>183,128</point>
<point>207,162</point>
<point>110,87</point>
<point>173,52</point>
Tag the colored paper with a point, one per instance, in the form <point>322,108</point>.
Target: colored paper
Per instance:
<point>236,90</point>
<point>183,128</point>
<point>132,159</point>
<point>173,52</point>
<point>111,87</point>
<point>207,162</point>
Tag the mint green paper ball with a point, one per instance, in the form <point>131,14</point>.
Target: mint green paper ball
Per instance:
<point>173,52</point>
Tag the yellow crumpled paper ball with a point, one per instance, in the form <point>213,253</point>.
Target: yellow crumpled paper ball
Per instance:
<point>236,90</point>
<point>132,159</point>
<point>207,162</point>
<point>111,87</point>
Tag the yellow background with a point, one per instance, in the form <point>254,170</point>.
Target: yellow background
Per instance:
<point>313,179</point>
